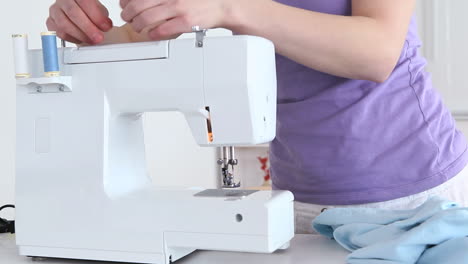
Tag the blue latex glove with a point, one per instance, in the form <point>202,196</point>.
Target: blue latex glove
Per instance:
<point>452,251</point>
<point>377,236</point>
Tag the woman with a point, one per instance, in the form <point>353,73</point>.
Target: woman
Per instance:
<point>359,123</point>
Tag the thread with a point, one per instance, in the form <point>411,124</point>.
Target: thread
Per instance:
<point>50,54</point>
<point>20,53</point>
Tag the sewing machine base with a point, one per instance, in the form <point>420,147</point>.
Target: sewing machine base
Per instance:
<point>260,222</point>
<point>64,253</point>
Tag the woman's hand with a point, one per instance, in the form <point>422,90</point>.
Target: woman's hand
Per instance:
<point>165,19</point>
<point>79,21</point>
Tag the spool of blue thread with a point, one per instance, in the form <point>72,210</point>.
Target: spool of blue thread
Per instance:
<point>50,54</point>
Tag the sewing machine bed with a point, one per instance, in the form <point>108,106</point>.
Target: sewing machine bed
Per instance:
<point>305,249</point>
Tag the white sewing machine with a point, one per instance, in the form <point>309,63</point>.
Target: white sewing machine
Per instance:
<point>82,189</point>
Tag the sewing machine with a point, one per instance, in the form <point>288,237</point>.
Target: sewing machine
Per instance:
<point>82,189</point>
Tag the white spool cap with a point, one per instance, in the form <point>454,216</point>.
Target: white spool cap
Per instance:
<point>20,46</point>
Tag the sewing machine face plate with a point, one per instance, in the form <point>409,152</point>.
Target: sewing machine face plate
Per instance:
<point>225,193</point>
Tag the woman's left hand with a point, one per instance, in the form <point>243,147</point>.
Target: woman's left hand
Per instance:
<point>164,19</point>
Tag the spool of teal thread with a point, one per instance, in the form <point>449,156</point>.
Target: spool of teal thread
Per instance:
<point>50,54</point>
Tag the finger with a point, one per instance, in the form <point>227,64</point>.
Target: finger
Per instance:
<point>52,26</point>
<point>171,28</point>
<point>70,39</point>
<point>174,36</point>
<point>67,27</point>
<point>103,8</point>
<point>81,20</point>
<point>153,16</point>
<point>97,13</point>
<point>134,8</point>
<point>124,3</point>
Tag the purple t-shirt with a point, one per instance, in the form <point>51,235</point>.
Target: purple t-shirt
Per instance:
<point>341,141</point>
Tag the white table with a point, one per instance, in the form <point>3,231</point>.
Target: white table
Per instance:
<point>304,249</point>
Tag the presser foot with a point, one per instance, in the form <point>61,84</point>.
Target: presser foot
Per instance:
<point>228,163</point>
<point>228,182</point>
<point>227,171</point>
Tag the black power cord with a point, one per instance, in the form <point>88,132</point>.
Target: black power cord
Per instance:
<point>7,226</point>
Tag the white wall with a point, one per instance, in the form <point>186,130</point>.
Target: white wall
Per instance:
<point>441,26</point>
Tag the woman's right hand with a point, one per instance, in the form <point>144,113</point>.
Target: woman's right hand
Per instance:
<point>79,21</point>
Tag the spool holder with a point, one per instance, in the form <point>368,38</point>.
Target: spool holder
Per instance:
<point>58,84</point>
